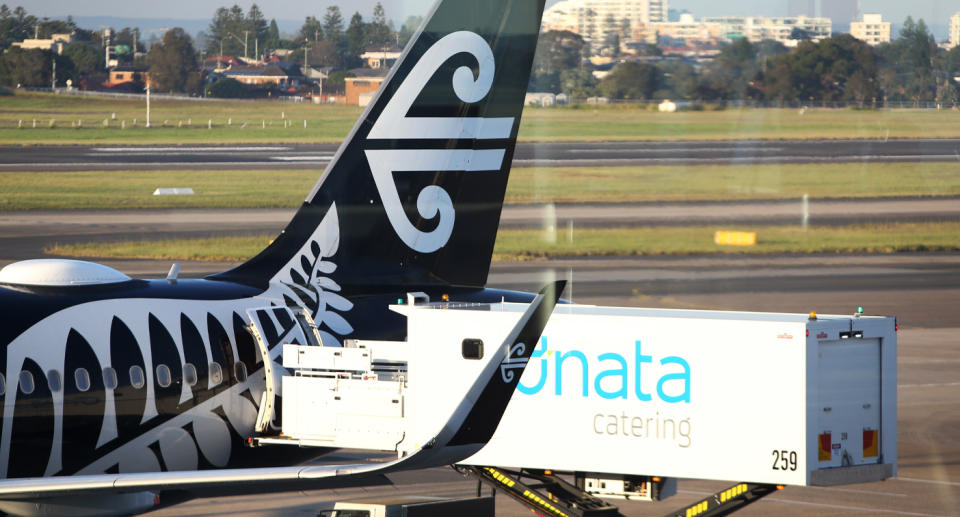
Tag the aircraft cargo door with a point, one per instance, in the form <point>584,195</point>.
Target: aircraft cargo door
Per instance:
<point>849,403</point>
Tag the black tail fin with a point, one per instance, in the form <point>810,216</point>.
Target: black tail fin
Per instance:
<point>413,196</point>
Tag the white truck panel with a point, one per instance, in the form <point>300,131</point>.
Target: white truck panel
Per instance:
<point>690,394</point>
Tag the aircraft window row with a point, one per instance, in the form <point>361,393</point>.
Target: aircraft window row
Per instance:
<point>83,381</point>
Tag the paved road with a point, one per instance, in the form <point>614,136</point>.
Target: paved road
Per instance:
<point>46,158</point>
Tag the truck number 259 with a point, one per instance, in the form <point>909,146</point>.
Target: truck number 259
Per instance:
<point>785,460</point>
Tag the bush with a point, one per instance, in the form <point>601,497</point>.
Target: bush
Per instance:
<point>228,88</point>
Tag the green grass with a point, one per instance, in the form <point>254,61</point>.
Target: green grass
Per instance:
<point>108,190</point>
<point>607,123</point>
<point>103,190</point>
<point>331,123</point>
<point>732,182</point>
<point>531,244</point>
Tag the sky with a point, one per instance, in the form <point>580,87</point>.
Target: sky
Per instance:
<point>935,12</point>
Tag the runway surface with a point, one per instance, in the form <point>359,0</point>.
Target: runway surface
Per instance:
<point>566,154</point>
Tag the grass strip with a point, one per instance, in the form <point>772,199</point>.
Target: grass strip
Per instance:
<point>80,120</point>
<point>107,190</point>
<point>537,244</point>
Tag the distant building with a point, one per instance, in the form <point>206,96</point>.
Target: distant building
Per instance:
<point>596,20</point>
<point>955,30</point>
<point>122,76</point>
<point>687,28</point>
<point>872,30</point>
<point>360,89</point>
<point>787,30</point>
<point>283,77</point>
<point>381,57</point>
<point>55,43</point>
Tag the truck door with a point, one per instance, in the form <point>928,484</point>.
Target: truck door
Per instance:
<point>849,409</point>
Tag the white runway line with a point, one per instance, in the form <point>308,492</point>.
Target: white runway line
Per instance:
<point>317,158</point>
<point>694,150</point>
<point>154,150</point>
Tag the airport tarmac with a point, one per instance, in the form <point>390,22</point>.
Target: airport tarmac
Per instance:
<point>528,154</point>
<point>921,289</point>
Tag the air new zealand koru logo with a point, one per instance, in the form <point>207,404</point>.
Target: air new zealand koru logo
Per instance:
<point>433,202</point>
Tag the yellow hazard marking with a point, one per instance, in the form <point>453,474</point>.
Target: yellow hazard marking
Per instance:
<point>735,238</point>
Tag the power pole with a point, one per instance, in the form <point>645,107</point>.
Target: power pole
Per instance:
<point>220,57</point>
<point>245,34</point>
<point>135,43</point>
<point>306,56</point>
<point>53,82</point>
<point>148,104</point>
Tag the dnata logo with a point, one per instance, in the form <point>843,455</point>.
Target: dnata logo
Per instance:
<point>609,375</point>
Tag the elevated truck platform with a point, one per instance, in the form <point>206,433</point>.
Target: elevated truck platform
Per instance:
<point>635,399</point>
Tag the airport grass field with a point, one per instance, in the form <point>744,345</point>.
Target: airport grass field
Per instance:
<point>112,190</point>
<point>539,244</point>
<point>29,118</point>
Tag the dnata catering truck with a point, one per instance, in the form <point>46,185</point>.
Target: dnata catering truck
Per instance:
<point>625,400</point>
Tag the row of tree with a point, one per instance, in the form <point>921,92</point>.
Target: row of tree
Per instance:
<point>838,69</point>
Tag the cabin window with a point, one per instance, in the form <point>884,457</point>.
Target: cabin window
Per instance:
<point>136,377</point>
<point>240,372</point>
<point>54,380</point>
<point>163,376</point>
<point>190,374</point>
<point>216,374</point>
<point>82,378</point>
<point>3,384</point>
<point>26,382</point>
<point>110,378</point>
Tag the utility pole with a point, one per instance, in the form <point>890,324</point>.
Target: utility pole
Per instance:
<point>148,104</point>
<point>256,48</point>
<point>135,43</point>
<point>245,34</point>
<point>306,56</point>
<point>220,57</point>
<point>53,82</point>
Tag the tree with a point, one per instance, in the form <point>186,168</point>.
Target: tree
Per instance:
<point>380,34</point>
<point>272,40</point>
<point>228,88</point>
<point>578,83</point>
<point>312,30</point>
<point>907,63</point>
<point>409,27</point>
<point>257,24</point>
<point>356,40</point>
<point>679,80</point>
<point>733,71</point>
<point>173,65</point>
<point>20,67</point>
<point>634,81</point>
<point>227,28</point>
<point>557,52</point>
<point>333,24</point>
<point>15,25</point>
<point>85,58</point>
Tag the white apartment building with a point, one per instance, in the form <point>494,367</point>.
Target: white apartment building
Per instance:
<point>955,30</point>
<point>872,30</point>
<point>595,20</point>
<point>759,28</point>
<point>55,43</point>
<point>686,28</point>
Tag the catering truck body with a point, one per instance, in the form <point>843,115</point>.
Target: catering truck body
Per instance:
<point>621,394</point>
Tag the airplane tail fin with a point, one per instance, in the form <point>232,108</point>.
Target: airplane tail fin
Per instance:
<point>414,194</point>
